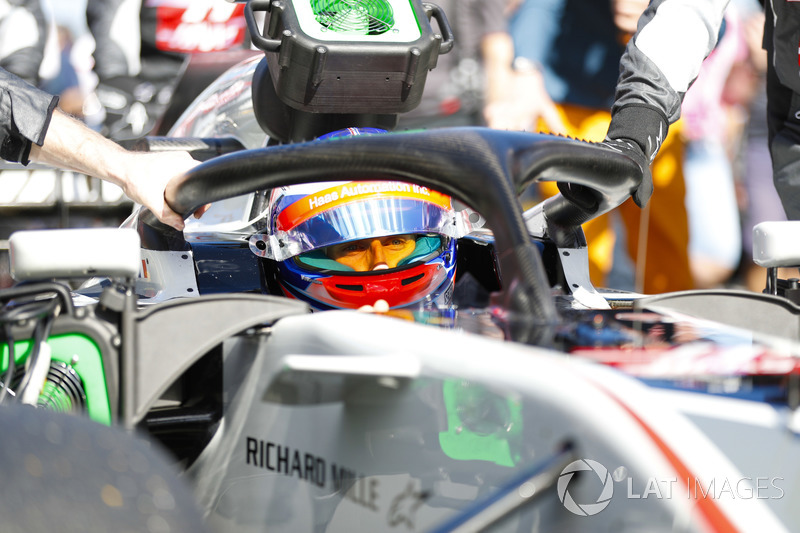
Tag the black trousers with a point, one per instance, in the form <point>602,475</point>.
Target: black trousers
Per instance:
<point>783,121</point>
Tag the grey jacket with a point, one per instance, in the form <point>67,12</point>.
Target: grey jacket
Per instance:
<point>25,113</point>
<point>660,63</point>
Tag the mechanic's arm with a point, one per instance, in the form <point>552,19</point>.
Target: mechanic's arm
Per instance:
<point>24,116</point>
<point>660,62</point>
<point>142,175</point>
<point>31,128</point>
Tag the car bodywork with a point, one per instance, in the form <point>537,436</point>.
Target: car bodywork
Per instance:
<point>554,407</point>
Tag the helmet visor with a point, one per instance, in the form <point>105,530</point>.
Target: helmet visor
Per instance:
<point>322,259</point>
<point>349,211</point>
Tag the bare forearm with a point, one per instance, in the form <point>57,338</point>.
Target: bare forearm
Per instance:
<point>515,99</point>
<point>70,144</point>
<point>497,50</point>
<point>142,175</point>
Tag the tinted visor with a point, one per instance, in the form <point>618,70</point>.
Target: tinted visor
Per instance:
<point>425,247</point>
<point>353,211</point>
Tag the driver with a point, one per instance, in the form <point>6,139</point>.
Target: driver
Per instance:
<point>349,244</point>
<point>373,254</point>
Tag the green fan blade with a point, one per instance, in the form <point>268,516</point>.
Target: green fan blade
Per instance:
<point>362,17</point>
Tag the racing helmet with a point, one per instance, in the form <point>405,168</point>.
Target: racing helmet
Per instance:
<point>310,228</point>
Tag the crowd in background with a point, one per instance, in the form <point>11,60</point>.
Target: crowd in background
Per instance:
<point>712,177</point>
<point>534,65</point>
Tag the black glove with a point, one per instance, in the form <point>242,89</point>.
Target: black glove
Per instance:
<point>637,130</point>
<point>632,150</point>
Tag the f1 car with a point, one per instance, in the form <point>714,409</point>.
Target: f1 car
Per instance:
<point>536,403</point>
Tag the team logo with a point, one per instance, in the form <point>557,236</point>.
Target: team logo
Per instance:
<point>190,26</point>
<point>585,509</point>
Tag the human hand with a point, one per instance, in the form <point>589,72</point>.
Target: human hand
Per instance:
<point>143,176</point>
<point>632,150</point>
<point>381,307</point>
<point>523,104</point>
<point>147,175</point>
<point>626,14</point>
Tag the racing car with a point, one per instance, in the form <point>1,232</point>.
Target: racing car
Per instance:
<point>536,403</point>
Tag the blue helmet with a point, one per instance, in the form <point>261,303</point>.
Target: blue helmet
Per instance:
<point>313,229</point>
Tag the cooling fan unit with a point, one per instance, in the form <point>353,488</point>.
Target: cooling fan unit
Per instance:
<point>360,17</point>
<point>50,357</point>
<point>63,390</point>
<point>349,56</point>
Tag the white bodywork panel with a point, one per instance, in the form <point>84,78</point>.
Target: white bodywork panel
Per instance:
<point>776,244</point>
<point>74,253</point>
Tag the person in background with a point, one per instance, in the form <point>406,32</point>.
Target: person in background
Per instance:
<point>760,201</point>
<point>141,47</point>
<point>655,76</point>
<point>568,57</point>
<point>713,114</point>
<point>23,37</point>
<point>33,129</point>
<point>473,81</point>
<point>64,81</point>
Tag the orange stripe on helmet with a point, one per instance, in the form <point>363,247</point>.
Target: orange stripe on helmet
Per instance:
<point>354,191</point>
